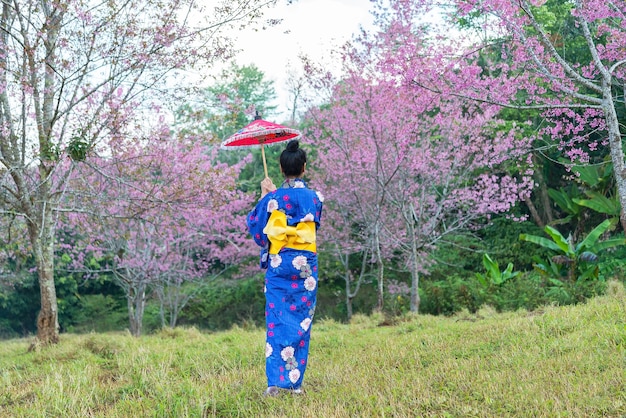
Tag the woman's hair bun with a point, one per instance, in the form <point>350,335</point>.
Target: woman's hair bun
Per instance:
<point>293,145</point>
<point>293,159</point>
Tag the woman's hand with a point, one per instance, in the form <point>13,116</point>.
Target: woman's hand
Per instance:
<point>267,186</point>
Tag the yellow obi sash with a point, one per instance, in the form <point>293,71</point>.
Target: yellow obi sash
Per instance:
<point>281,235</point>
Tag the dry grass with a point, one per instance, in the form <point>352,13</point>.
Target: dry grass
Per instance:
<point>556,362</point>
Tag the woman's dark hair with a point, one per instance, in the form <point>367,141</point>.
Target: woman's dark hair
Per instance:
<point>292,159</point>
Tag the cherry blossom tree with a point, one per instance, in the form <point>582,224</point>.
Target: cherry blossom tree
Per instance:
<point>345,240</point>
<point>565,58</point>
<point>70,72</point>
<point>414,168</point>
<point>163,215</point>
<point>350,166</point>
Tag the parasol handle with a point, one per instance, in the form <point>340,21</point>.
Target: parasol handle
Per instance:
<point>264,162</point>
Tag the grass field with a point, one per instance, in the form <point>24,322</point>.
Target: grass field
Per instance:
<point>554,362</point>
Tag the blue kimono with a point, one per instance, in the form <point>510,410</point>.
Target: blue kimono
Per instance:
<point>283,224</point>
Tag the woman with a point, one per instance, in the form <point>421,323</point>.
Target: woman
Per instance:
<point>283,224</point>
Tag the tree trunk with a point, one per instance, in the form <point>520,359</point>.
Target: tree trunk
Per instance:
<point>349,279</point>
<point>348,294</point>
<point>544,197</point>
<point>136,304</point>
<point>160,293</point>
<point>42,240</point>
<point>380,278</point>
<point>349,307</point>
<point>533,212</point>
<point>415,296</point>
<point>410,222</point>
<point>174,313</point>
<point>41,226</point>
<point>545,200</point>
<point>616,148</point>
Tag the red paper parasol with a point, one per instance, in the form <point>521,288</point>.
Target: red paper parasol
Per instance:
<point>260,132</point>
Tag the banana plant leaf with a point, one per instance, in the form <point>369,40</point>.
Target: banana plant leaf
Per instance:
<point>600,203</point>
<point>596,233</point>
<point>560,240</point>
<point>544,242</point>
<point>562,199</point>
<point>609,243</point>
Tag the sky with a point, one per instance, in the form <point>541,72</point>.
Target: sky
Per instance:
<point>312,27</point>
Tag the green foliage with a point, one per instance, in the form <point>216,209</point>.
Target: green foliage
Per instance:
<point>462,254</point>
<point>450,289</point>
<point>593,190</point>
<point>494,276</point>
<point>78,148</point>
<point>92,303</point>
<point>600,203</point>
<point>84,304</point>
<point>331,299</point>
<point>225,303</point>
<point>397,305</point>
<point>567,293</point>
<point>19,307</point>
<point>151,317</point>
<point>566,203</point>
<point>526,291</point>
<point>599,188</point>
<point>456,255</point>
<point>99,313</point>
<point>227,106</point>
<point>575,261</point>
<point>612,264</point>
<point>566,36</point>
<point>501,241</point>
<point>252,174</point>
<point>446,297</point>
<point>597,176</point>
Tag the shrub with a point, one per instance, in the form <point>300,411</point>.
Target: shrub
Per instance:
<point>100,313</point>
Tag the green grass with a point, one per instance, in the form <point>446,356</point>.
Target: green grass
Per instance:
<point>555,362</point>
